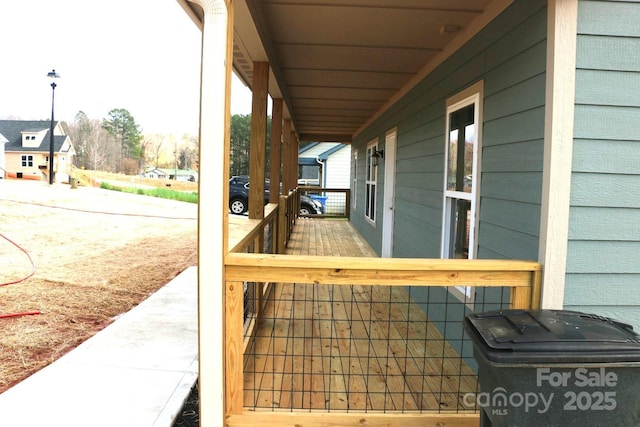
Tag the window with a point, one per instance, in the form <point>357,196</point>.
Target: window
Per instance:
<point>461,186</point>
<point>354,175</point>
<point>371,187</point>
<point>27,161</point>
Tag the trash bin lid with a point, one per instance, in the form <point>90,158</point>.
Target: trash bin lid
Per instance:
<point>555,336</point>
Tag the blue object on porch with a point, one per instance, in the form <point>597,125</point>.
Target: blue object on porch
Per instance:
<point>321,199</point>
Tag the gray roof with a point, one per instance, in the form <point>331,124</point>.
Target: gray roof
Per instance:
<point>12,130</point>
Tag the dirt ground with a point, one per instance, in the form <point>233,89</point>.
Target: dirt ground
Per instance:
<point>97,253</point>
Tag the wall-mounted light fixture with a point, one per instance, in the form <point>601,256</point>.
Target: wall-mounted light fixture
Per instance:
<point>376,156</point>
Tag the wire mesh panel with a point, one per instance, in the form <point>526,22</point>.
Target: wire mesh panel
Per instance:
<point>249,302</point>
<point>331,202</point>
<point>361,348</point>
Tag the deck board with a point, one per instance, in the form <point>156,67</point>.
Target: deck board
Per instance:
<point>349,347</point>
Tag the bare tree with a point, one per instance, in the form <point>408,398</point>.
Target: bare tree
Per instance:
<point>158,148</point>
<point>97,149</point>
<point>91,142</point>
<point>188,152</point>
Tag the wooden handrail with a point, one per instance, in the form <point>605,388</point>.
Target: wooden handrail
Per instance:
<point>376,271</point>
<point>255,227</point>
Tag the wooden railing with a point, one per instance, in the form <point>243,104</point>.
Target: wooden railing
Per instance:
<point>243,265</point>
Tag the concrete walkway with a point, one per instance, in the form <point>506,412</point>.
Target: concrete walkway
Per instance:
<point>136,372</point>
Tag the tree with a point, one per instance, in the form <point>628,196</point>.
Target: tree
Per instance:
<point>124,129</point>
<point>81,131</point>
<point>240,143</point>
<point>90,141</point>
<point>240,139</point>
<point>145,146</point>
<point>187,152</point>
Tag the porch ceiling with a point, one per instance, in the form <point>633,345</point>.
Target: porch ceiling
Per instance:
<point>339,63</point>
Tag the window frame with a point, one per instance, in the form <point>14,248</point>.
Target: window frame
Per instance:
<point>473,95</point>
<point>371,183</point>
<point>354,171</point>
<point>26,160</point>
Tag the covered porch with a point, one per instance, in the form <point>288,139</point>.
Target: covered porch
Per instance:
<point>344,348</point>
<point>327,333</point>
<point>301,323</point>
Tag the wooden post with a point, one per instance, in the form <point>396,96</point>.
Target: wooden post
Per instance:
<point>293,170</point>
<point>286,163</point>
<point>293,159</point>
<point>233,347</point>
<point>217,51</point>
<point>347,205</point>
<point>282,225</point>
<point>258,144</point>
<point>521,297</point>
<point>276,150</point>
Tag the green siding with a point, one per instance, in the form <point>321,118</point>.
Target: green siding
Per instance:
<point>605,190</point>
<point>510,56</point>
<point>595,18</point>
<point>598,87</point>
<point>613,156</point>
<point>603,273</point>
<point>609,290</point>
<point>602,224</point>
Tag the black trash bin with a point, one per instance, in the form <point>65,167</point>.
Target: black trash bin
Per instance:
<point>554,368</point>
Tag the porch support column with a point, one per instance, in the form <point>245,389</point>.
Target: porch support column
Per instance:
<point>215,84</point>
<point>258,141</point>
<point>562,18</point>
<point>286,157</point>
<point>294,159</point>
<point>276,150</point>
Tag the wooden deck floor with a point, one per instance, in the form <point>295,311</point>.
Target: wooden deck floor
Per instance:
<point>349,347</point>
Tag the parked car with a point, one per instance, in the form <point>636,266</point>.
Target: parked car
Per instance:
<point>239,198</point>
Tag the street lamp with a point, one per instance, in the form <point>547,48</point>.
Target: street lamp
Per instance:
<point>52,75</point>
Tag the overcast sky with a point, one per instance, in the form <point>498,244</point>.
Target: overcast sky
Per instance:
<point>140,55</point>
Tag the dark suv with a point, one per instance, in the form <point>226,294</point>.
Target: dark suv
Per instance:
<point>239,198</point>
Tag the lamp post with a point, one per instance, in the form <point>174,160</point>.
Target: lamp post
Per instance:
<point>52,75</point>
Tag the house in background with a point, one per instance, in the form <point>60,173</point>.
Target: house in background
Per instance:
<point>325,164</point>
<point>27,150</point>
<point>3,141</point>
<point>183,175</point>
<point>155,173</point>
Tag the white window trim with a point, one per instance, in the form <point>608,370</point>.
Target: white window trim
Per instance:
<point>371,171</point>
<point>473,95</point>
<point>354,191</point>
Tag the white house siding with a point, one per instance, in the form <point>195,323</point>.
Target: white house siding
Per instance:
<point>337,175</point>
<point>603,272</point>
<point>337,171</point>
<point>318,149</point>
